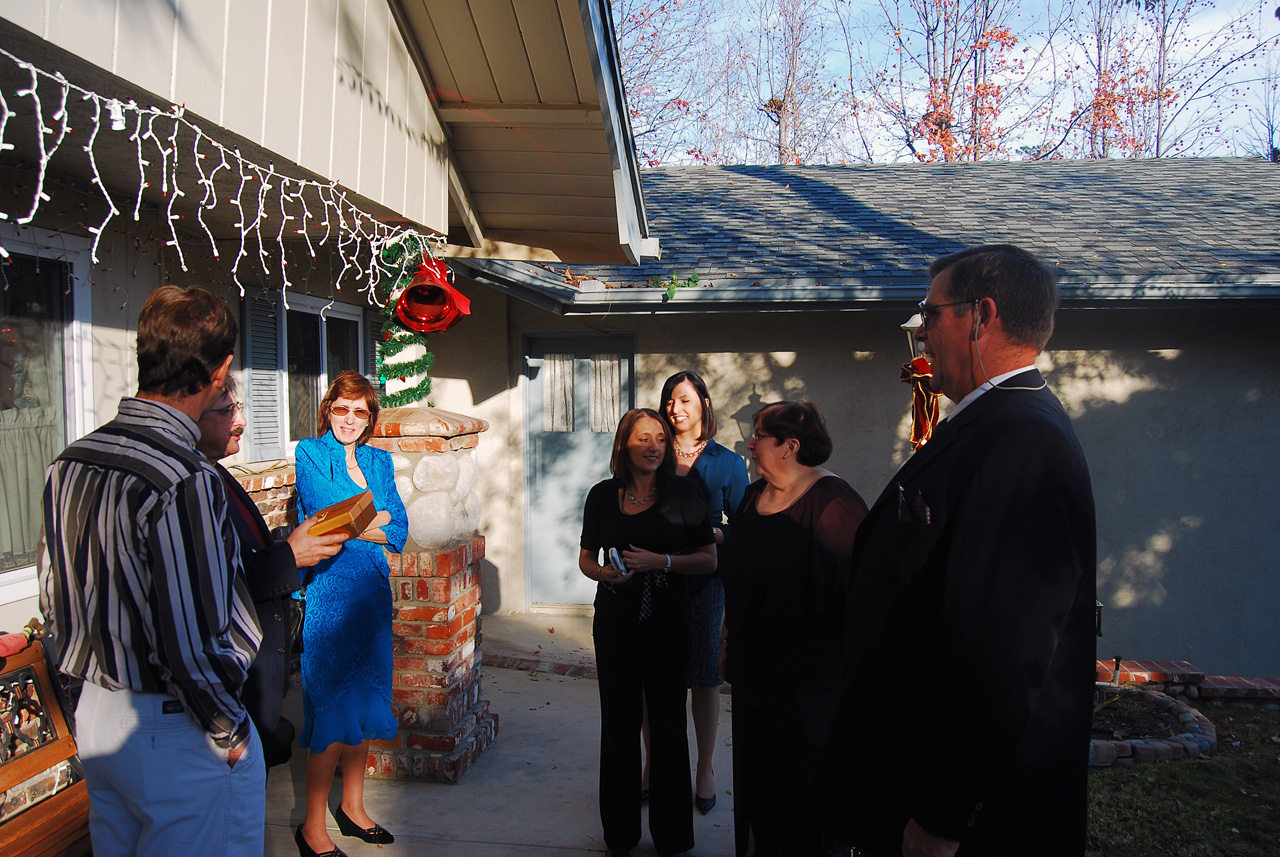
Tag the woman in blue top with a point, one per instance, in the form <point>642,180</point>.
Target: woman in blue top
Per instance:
<point>722,476</point>
<point>346,636</point>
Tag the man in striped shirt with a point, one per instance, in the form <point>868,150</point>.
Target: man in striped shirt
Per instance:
<point>146,600</point>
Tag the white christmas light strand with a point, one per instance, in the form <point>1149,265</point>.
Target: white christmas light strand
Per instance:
<point>358,234</point>
<point>112,211</point>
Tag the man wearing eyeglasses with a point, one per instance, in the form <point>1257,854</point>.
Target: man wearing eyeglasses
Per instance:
<point>972,602</point>
<point>272,570</point>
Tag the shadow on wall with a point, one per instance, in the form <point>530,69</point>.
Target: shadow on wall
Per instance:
<point>1180,429</point>
<point>1179,424</point>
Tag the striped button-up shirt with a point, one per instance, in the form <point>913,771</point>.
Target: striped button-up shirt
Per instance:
<point>140,575</point>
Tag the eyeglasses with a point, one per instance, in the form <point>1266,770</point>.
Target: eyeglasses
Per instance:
<point>343,410</point>
<point>929,313</point>
<point>229,410</point>
<point>758,436</point>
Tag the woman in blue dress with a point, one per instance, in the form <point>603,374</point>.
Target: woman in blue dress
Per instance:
<point>346,636</point>
<point>722,476</point>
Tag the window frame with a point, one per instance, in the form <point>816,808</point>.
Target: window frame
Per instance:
<point>19,584</point>
<point>324,308</point>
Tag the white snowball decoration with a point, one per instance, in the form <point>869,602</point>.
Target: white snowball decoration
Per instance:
<point>459,522</point>
<point>468,474</point>
<point>436,473</point>
<point>472,508</point>
<point>404,487</point>
<point>431,520</point>
<point>400,461</point>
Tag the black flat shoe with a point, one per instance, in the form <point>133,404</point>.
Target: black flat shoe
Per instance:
<point>704,805</point>
<point>375,835</point>
<point>305,850</point>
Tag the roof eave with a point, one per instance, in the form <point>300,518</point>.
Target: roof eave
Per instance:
<point>540,287</point>
<point>633,222</point>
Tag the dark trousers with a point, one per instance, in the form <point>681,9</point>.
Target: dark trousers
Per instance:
<point>772,811</point>
<point>268,679</point>
<point>649,658</point>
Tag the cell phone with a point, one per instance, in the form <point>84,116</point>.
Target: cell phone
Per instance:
<point>615,560</point>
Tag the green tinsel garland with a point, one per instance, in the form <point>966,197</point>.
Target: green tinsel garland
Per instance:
<point>399,260</point>
<point>389,347</point>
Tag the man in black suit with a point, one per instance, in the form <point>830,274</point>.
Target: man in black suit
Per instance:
<point>271,568</point>
<point>964,721</point>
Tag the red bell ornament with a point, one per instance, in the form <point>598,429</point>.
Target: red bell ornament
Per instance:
<point>430,303</point>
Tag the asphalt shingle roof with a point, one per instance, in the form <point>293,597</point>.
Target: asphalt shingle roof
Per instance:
<point>1130,229</point>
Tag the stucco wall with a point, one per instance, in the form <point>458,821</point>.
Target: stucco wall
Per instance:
<point>1176,410</point>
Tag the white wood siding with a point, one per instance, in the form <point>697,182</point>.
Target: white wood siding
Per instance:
<point>328,84</point>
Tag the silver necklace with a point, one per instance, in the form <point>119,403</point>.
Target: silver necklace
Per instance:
<point>697,450</point>
<point>642,501</point>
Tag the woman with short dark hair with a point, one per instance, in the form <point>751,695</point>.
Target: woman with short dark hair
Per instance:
<point>786,570</point>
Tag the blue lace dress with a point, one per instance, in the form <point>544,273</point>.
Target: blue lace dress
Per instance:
<point>346,638</point>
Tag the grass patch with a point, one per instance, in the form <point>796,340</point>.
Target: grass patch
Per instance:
<point>1225,806</point>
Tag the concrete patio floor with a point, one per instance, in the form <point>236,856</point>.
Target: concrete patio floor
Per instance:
<point>533,792</point>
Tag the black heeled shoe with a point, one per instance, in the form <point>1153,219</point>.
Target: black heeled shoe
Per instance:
<point>376,835</point>
<point>704,805</point>
<point>305,850</point>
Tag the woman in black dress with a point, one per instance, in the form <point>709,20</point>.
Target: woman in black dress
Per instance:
<point>785,568</point>
<point>659,525</point>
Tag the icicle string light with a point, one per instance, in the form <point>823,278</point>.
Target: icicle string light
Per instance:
<point>358,234</point>
<point>112,211</point>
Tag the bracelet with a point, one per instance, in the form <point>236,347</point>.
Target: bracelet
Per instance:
<point>668,568</point>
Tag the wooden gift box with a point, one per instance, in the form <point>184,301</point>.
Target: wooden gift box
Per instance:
<point>351,516</point>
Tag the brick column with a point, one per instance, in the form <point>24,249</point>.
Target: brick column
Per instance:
<point>445,724</point>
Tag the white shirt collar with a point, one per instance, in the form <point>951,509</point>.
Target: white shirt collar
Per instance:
<point>973,396</point>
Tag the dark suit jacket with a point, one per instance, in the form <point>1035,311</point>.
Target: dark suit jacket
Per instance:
<point>968,693</point>
<point>273,577</point>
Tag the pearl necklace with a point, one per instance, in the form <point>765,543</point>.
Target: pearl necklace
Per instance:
<point>697,450</point>
<point>643,501</point>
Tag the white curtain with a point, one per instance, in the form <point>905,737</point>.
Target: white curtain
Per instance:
<point>30,438</point>
<point>557,392</point>
<point>606,392</point>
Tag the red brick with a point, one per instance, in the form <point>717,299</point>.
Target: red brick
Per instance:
<point>393,562</point>
<point>390,743</point>
<point>440,647</point>
<point>416,680</point>
<point>435,631</point>
<point>424,591</point>
<point>407,696</point>
<point>382,443</point>
<point>416,663</point>
<point>469,598</point>
<point>431,613</point>
<point>450,562</point>
<point>441,591</point>
<point>407,629</point>
<point>440,743</point>
<point>409,566</point>
<point>419,647</point>
<point>424,444</point>
<point>406,590</point>
<point>477,551</point>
